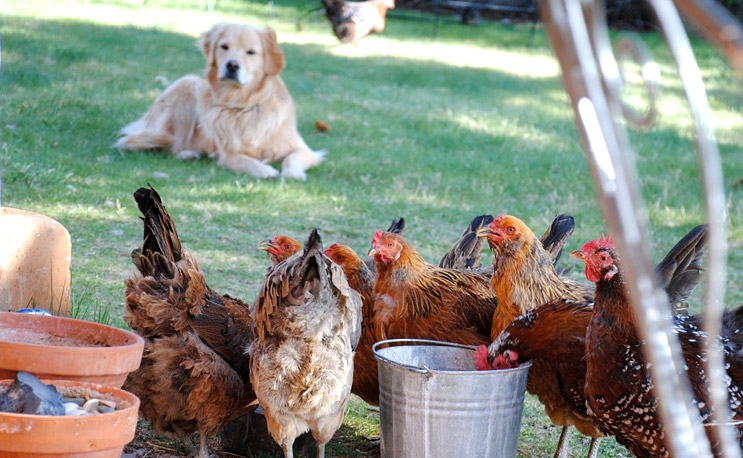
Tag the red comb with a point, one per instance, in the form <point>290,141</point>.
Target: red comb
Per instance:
<point>481,358</point>
<point>332,247</point>
<point>601,242</point>
<point>377,239</point>
<point>499,219</point>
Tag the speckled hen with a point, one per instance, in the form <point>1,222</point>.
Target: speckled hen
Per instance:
<point>618,388</point>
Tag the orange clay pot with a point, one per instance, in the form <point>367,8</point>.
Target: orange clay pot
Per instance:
<point>96,436</point>
<point>57,348</point>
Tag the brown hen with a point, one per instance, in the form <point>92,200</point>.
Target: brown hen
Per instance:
<point>308,322</point>
<point>352,21</point>
<point>523,278</point>
<point>194,375</point>
<point>414,299</point>
<point>361,279</point>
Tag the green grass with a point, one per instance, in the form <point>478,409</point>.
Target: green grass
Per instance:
<point>436,129</point>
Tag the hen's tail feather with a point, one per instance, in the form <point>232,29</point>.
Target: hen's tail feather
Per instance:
<point>397,226</point>
<point>160,235</point>
<point>465,253</point>
<point>313,253</point>
<point>680,271</point>
<point>557,234</point>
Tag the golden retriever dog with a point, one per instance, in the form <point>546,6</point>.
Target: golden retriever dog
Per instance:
<point>242,114</point>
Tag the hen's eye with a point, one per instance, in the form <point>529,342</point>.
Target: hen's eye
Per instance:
<point>250,52</point>
<point>389,244</point>
<point>510,230</point>
<point>287,247</point>
<point>602,258</point>
<point>225,47</point>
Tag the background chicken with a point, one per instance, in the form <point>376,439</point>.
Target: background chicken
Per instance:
<point>279,248</point>
<point>414,299</point>
<point>552,337</point>
<point>464,253</point>
<point>353,21</point>
<point>308,322</point>
<point>361,279</point>
<point>523,272</point>
<point>618,388</point>
<point>194,374</point>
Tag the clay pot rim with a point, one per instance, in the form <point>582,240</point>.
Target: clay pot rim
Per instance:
<point>120,354</point>
<point>131,338</point>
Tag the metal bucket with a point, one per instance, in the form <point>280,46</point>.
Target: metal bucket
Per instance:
<point>434,403</point>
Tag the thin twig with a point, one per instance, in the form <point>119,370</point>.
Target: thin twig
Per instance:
<point>162,447</point>
<point>233,454</point>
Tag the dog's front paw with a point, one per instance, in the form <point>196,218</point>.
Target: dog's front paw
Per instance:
<point>265,171</point>
<point>293,173</point>
<point>188,154</point>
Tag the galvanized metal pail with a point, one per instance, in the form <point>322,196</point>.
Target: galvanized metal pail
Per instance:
<point>434,403</point>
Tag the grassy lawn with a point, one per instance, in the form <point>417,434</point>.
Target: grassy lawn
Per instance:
<point>436,129</point>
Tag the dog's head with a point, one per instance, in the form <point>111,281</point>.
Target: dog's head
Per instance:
<point>240,55</point>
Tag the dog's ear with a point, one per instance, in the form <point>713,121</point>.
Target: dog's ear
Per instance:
<point>208,41</point>
<point>273,57</point>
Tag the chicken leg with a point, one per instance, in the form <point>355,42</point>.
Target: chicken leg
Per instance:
<point>562,449</point>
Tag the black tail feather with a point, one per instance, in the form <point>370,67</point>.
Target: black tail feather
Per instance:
<point>160,235</point>
<point>465,253</point>
<point>397,226</point>
<point>681,269</point>
<point>558,233</point>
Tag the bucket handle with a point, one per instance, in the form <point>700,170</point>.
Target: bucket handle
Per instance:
<point>398,342</point>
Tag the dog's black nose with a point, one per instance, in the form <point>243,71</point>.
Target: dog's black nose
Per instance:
<point>232,66</point>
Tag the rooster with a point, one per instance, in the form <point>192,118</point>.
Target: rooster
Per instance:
<point>353,21</point>
<point>308,322</point>
<point>552,337</point>
<point>279,248</point>
<point>194,375</point>
<point>618,387</point>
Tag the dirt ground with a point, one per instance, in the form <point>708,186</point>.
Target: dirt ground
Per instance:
<point>149,444</point>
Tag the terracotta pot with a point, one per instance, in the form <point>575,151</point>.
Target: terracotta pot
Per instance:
<point>59,348</point>
<point>96,436</point>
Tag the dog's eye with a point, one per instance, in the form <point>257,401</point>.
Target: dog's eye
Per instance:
<point>225,47</point>
<point>251,52</point>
